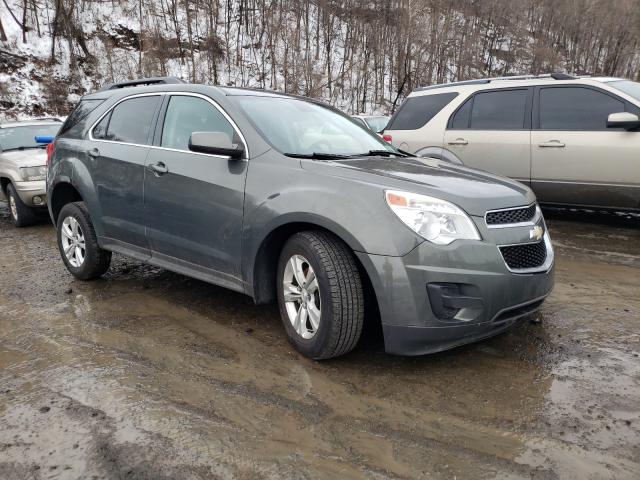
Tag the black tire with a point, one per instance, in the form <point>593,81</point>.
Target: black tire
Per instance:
<point>340,294</point>
<point>23,215</point>
<point>96,260</point>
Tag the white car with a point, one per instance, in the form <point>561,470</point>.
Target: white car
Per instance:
<point>23,167</point>
<point>375,123</point>
<point>574,140</point>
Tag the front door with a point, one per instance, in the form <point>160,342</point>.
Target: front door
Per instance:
<point>194,201</point>
<point>576,159</point>
<point>491,131</point>
<point>117,152</point>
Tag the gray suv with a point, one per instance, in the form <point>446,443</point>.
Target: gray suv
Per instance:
<point>286,199</point>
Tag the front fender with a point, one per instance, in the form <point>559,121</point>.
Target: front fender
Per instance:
<point>280,192</point>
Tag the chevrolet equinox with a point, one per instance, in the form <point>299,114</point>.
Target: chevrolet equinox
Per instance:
<point>285,198</point>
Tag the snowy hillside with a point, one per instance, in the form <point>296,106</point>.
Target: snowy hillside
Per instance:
<point>360,56</point>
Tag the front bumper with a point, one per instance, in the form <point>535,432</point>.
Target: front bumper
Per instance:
<point>488,297</point>
<point>27,191</point>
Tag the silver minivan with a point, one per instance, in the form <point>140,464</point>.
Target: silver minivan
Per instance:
<point>575,141</point>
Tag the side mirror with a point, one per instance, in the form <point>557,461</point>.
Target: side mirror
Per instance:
<point>216,143</point>
<point>626,120</point>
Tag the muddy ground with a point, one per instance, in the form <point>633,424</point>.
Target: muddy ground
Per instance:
<point>148,374</point>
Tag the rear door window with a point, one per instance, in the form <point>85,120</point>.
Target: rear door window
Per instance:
<point>499,110</point>
<point>576,108</point>
<point>185,115</point>
<point>461,117</point>
<point>416,112</point>
<point>130,121</point>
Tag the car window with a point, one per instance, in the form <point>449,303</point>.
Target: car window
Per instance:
<point>416,112</point>
<point>360,121</point>
<point>377,124</point>
<point>186,115</point>
<point>296,126</point>
<point>627,86</point>
<point>131,120</point>
<point>100,130</point>
<point>499,110</point>
<point>576,108</point>
<point>15,138</point>
<point>73,125</point>
<point>460,119</point>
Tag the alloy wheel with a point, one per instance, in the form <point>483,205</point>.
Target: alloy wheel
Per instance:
<point>302,296</point>
<point>13,207</point>
<point>73,242</point>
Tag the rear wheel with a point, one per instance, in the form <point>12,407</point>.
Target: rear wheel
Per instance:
<point>21,214</point>
<point>78,244</point>
<point>320,295</point>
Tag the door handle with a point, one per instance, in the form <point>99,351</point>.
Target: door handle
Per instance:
<point>94,153</point>
<point>158,168</point>
<point>551,144</point>
<point>458,141</point>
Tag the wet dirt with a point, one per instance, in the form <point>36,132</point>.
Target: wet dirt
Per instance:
<point>151,375</point>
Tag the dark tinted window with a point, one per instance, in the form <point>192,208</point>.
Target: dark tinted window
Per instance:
<point>575,108</point>
<point>73,126</point>
<point>499,110</point>
<point>186,115</point>
<point>100,130</point>
<point>461,118</point>
<point>416,112</point>
<point>131,120</point>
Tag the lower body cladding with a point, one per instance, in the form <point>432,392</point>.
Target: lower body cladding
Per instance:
<point>439,297</point>
<point>32,194</point>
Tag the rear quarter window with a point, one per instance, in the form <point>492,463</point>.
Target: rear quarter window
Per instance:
<point>74,125</point>
<point>416,112</point>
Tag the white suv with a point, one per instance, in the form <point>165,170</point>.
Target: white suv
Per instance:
<point>575,141</point>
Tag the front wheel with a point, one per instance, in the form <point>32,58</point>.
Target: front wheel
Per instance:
<point>320,295</point>
<point>21,214</point>
<point>78,244</point>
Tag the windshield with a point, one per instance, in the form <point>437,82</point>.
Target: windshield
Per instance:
<point>377,124</point>
<point>298,127</point>
<point>628,87</point>
<point>14,138</point>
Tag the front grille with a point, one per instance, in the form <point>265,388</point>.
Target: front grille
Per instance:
<point>514,215</point>
<point>519,257</point>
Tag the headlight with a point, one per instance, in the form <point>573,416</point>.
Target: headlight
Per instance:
<point>32,174</point>
<point>436,220</point>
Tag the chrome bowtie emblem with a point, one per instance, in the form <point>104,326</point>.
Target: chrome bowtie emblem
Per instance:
<point>536,233</point>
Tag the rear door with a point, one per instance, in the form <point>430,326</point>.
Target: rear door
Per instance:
<point>491,131</point>
<point>117,154</point>
<point>576,159</point>
<point>194,201</point>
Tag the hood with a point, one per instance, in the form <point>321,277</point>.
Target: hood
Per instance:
<point>32,157</point>
<point>475,191</point>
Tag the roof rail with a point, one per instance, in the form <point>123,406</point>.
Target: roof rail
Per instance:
<point>480,81</point>
<point>142,81</point>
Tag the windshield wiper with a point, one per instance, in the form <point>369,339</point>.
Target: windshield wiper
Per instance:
<point>318,156</point>
<point>381,153</point>
<point>23,148</point>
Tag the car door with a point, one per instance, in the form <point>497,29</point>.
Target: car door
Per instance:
<point>491,131</point>
<point>576,159</point>
<point>119,146</point>
<point>194,201</point>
